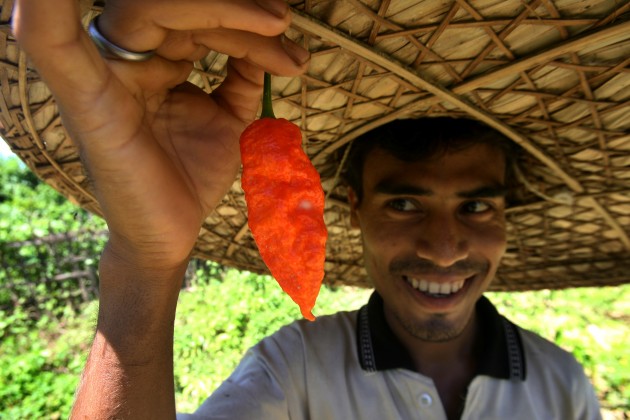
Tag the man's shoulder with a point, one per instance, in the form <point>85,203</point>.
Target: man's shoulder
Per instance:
<point>538,344</point>
<point>322,331</point>
<point>325,342</point>
<point>324,328</point>
<point>544,355</point>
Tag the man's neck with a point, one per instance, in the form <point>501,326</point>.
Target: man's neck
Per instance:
<point>427,355</point>
<point>451,364</point>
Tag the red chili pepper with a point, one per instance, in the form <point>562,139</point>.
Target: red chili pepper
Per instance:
<point>285,203</point>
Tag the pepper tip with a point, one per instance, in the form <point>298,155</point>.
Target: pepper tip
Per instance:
<point>308,315</point>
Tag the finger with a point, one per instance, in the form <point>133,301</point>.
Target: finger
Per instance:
<point>152,77</point>
<point>180,45</point>
<point>121,22</point>
<point>241,91</point>
<point>278,55</point>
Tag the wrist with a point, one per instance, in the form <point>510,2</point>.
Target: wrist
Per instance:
<point>137,306</point>
<point>147,254</point>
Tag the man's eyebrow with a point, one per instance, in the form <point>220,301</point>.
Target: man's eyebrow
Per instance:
<point>392,187</point>
<point>486,191</point>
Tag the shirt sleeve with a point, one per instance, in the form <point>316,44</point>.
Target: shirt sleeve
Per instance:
<point>251,392</point>
<point>560,385</point>
<point>584,399</point>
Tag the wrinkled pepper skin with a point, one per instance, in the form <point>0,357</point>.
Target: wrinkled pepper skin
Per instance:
<point>285,203</point>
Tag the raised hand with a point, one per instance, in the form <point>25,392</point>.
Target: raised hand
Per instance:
<point>161,154</point>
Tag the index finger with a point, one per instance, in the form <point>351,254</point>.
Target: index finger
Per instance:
<point>142,25</point>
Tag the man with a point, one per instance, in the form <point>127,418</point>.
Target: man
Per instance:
<point>429,197</point>
<point>433,231</point>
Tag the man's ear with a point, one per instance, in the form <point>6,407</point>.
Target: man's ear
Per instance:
<point>354,205</point>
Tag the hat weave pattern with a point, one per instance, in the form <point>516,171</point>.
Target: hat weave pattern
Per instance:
<point>551,75</point>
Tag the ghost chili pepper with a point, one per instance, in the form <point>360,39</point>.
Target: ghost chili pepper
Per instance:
<point>285,203</point>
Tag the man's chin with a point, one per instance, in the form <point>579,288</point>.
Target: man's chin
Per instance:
<point>436,329</point>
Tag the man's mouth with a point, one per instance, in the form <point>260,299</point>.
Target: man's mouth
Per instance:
<point>433,289</point>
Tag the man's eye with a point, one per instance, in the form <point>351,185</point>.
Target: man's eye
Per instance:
<point>476,207</point>
<point>401,204</point>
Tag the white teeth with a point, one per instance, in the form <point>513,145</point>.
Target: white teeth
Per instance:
<point>435,288</point>
<point>424,286</point>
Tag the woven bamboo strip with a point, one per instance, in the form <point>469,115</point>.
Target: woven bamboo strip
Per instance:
<point>415,31</point>
<point>611,221</point>
<point>552,72</point>
<point>309,24</point>
<point>616,33</point>
<point>424,50</point>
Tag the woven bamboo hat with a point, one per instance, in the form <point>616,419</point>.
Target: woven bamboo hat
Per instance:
<point>552,75</point>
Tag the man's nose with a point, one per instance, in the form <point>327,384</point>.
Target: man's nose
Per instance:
<point>443,240</point>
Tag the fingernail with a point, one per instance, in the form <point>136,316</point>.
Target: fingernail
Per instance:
<point>297,53</point>
<point>277,7</point>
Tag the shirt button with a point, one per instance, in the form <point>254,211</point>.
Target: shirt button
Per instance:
<point>426,400</point>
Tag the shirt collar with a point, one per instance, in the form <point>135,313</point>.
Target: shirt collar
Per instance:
<point>500,355</point>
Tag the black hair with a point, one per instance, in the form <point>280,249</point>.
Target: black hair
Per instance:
<point>412,140</point>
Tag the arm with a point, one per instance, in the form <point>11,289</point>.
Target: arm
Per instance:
<point>161,154</point>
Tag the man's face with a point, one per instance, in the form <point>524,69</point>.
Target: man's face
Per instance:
<point>433,235</point>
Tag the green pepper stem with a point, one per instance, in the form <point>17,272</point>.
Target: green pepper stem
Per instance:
<point>267,107</point>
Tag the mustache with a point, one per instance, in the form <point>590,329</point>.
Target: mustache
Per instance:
<point>421,266</point>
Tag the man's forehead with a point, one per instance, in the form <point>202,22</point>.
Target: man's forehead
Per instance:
<point>480,150</point>
<point>477,166</point>
<point>428,154</point>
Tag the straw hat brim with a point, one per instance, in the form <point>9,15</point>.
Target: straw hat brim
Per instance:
<point>551,75</point>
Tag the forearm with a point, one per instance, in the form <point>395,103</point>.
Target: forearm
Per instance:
<point>129,373</point>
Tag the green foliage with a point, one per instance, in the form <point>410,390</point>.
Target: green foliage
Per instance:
<point>40,363</point>
<point>43,338</point>
<point>35,267</point>
<point>30,208</point>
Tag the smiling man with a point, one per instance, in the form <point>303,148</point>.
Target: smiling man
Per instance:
<point>431,212</point>
<point>433,227</point>
<point>429,196</point>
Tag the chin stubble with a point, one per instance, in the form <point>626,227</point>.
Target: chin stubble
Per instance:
<point>435,329</point>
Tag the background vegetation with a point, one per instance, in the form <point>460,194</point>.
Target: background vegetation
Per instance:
<point>45,333</point>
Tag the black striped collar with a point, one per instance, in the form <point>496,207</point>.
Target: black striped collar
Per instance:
<point>501,354</point>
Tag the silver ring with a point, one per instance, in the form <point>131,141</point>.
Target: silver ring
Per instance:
<point>110,50</point>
